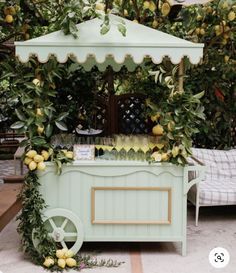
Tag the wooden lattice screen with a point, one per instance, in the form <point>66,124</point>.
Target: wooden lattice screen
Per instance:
<point>122,114</point>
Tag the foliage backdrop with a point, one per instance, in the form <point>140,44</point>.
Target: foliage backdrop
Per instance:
<point>212,24</point>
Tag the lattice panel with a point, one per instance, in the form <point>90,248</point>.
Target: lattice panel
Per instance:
<point>100,119</point>
<point>131,119</point>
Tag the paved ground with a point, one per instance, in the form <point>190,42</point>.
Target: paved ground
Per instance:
<point>7,168</point>
<point>217,227</point>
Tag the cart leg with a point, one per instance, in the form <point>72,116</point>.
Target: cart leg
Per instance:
<point>184,248</point>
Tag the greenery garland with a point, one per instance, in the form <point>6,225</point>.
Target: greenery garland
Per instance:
<point>30,220</point>
<point>31,228</point>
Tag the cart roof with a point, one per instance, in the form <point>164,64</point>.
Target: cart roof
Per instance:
<point>92,48</point>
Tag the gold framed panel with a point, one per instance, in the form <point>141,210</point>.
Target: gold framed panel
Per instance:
<point>125,222</point>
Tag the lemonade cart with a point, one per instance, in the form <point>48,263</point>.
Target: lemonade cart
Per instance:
<point>102,200</point>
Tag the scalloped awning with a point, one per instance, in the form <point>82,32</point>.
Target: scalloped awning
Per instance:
<point>92,48</point>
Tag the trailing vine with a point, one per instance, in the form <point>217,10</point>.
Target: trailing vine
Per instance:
<point>31,220</point>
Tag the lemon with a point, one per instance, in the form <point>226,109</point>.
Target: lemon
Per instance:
<point>61,263</point>
<point>152,6</point>
<point>12,10</point>
<point>126,12</point>
<point>45,155</point>
<point>202,31</point>
<point>231,16</point>
<point>69,254</point>
<point>199,18</point>
<point>38,158</point>
<point>40,130</point>
<point>226,58</point>
<point>39,112</point>
<point>70,262</point>
<point>209,10</point>
<point>155,24</point>
<point>157,130</point>
<point>165,9</point>
<point>32,165</point>
<point>27,160</point>
<point>226,36</point>
<point>69,154</point>
<point>156,156</point>
<point>9,19</point>
<point>146,4</point>
<point>164,157</point>
<point>41,166</point>
<point>171,125</point>
<point>136,21</point>
<point>155,117</point>
<point>48,262</point>
<point>100,6</point>
<point>197,30</point>
<point>31,153</point>
<point>60,253</point>
<point>225,5</point>
<point>175,151</point>
<point>36,82</point>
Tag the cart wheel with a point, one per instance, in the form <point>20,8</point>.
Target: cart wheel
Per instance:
<point>64,227</point>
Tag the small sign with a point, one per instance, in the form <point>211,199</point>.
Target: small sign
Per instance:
<point>84,152</point>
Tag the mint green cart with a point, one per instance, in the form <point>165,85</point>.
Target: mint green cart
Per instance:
<point>117,201</point>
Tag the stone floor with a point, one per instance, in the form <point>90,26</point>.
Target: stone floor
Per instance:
<point>217,227</point>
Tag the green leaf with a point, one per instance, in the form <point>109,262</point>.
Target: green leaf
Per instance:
<point>104,29</point>
<point>24,143</point>
<point>26,100</point>
<point>30,121</point>
<point>170,136</point>
<point>199,95</point>
<point>49,130</point>
<point>73,29</point>
<point>38,141</point>
<point>62,116</point>
<point>61,125</point>
<point>17,125</point>
<point>20,115</point>
<point>122,29</point>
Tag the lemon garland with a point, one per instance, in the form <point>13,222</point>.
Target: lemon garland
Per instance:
<point>31,226</point>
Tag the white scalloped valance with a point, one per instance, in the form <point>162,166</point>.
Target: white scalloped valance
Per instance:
<point>92,48</point>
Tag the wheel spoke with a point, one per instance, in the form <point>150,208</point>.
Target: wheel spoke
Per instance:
<point>64,223</point>
<point>52,223</point>
<point>71,234</point>
<point>63,244</point>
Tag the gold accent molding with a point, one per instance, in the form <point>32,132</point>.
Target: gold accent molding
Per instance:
<point>125,222</point>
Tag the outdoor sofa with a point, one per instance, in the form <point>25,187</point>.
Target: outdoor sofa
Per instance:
<point>219,185</point>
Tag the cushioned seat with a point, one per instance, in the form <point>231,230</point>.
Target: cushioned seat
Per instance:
<point>219,185</point>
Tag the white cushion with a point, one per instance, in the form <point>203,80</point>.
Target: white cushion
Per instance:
<point>219,184</point>
<point>215,192</point>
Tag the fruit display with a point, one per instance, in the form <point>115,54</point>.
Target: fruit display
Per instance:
<point>36,161</point>
<point>63,258</point>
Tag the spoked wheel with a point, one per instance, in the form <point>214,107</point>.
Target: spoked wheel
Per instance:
<point>64,227</point>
